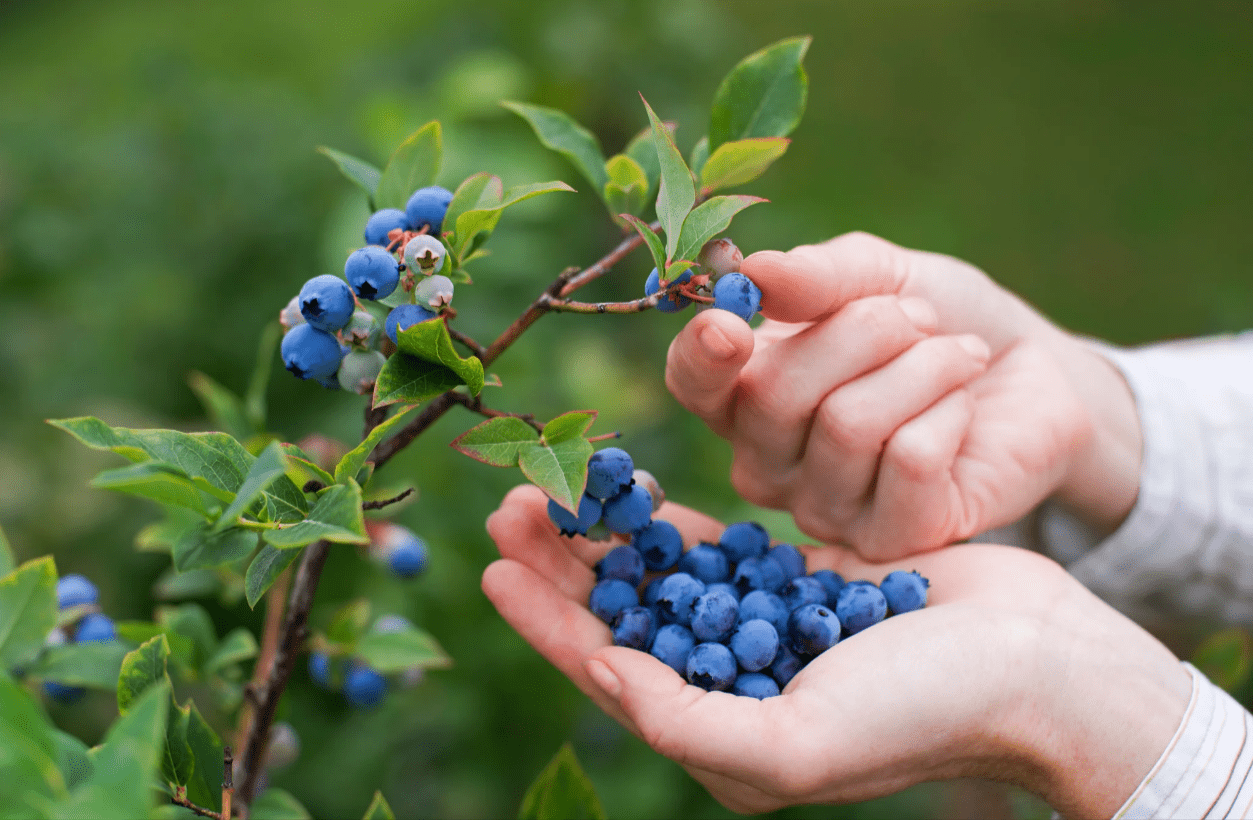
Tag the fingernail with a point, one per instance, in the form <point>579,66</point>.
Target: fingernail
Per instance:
<point>604,678</point>
<point>715,342</point>
<point>975,346</point>
<point>920,312</point>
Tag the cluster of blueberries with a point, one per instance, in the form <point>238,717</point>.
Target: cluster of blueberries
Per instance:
<point>361,685</point>
<point>718,265</point>
<point>78,593</point>
<point>739,615</point>
<point>330,336</point>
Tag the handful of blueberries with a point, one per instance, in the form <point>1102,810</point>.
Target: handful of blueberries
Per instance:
<point>739,615</point>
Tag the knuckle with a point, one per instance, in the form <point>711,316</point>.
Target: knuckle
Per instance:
<point>746,478</point>
<point>915,453</point>
<point>850,422</point>
<point>867,252</point>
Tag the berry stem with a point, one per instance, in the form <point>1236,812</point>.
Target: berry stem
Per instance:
<point>472,345</point>
<point>476,405</point>
<point>633,306</point>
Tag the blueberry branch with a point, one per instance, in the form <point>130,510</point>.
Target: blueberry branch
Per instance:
<point>470,344</point>
<point>200,811</point>
<point>633,306</point>
<point>386,502</point>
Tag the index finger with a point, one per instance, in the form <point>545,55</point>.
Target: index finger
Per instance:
<point>813,281</point>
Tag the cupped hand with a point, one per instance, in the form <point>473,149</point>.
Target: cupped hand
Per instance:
<point>1013,671</point>
<point>897,401</point>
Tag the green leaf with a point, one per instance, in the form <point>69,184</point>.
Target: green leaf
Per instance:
<point>560,470</point>
<point>28,611</point>
<point>709,219</point>
<point>677,192</point>
<point>354,459</point>
<point>642,150</point>
<point>72,758</point>
<point>413,165</point>
<point>426,343</point>
<point>95,664</point>
<point>349,622</point>
<point>357,170</point>
<point>569,425</point>
<point>562,792</point>
<point>379,810</point>
<point>276,804</point>
<point>29,754</point>
<point>763,96</point>
<point>390,652</point>
<point>268,467</point>
<point>177,761</point>
<point>254,399</point>
<point>156,481</point>
<point>675,268</point>
<point>699,156</point>
<point>7,562</point>
<point>740,161</point>
<point>142,669</point>
<point>200,547</point>
<point>407,379</point>
<point>191,625</point>
<point>224,409</point>
<point>560,133</point>
<point>496,441</point>
<point>1226,658</point>
<point>239,645</point>
<point>301,467</point>
<point>182,648</point>
<point>336,516</point>
<point>627,188</point>
<point>476,191</point>
<point>204,787</point>
<point>475,225</point>
<point>265,569</point>
<point>651,239</point>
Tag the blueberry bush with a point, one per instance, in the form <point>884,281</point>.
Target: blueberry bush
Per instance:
<point>253,518</point>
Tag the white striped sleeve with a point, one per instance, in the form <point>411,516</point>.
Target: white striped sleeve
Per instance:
<point>1206,771</point>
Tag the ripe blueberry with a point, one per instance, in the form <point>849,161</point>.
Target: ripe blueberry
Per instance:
<point>634,628</point>
<point>758,573</point>
<point>813,629</point>
<point>404,317</point>
<point>671,645</point>
<point>755,685</point>
<point>736,293</point>
<point>326,302</point>
<point>610,597</point>
<point>860,605</point>
<point>660,543</point>
<point>725,587</point>
<point>904,591</point>
<point>707,563</point>
<point>570,524</point>
<point>651,591</point>
<point>755,644</point>
<point>675,301</point>
<point>677,596</point>
<point>745,539</point>
<point>383,222</point>
<point>320,669</point>
<point>832,582</point>
<point>75,590</point>
<point>786,664</point>
<point>310,353</point>
<point>623,562</point>
<point>714,616</point>
<point>629,510</point>
<point>363,686</point>
<point>788,558</point>
<point>711,666</point>
<point>799,592</point>
<point>609,472</point>
<point>95,627</point>
<point>372,272</point>
<point>767,606</point>
<point>426,208</point>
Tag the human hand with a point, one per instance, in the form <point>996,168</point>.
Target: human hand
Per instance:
<point>897,401</point>
<point>1013,671</point>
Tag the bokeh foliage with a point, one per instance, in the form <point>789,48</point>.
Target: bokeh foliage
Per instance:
<point>161,199</point>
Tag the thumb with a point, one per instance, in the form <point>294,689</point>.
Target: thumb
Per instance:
<point>813,281</point>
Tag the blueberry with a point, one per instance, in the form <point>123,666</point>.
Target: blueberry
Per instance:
<point>284,746</point>
<point>725,587</point>
<point>609,472</point>
<point>633,628</point>
<point>671,645</point>
<point>758,573</point>
<point>320,669</point>
<point>359,370</point>
<point>310,353</point>
<point>802,591</point>
<point>95,627</point>
<point>629,510</point>
<point>326,302</point>
<point>75,590</point>
<point>62,693</point>
<point>660,543</point>
<point>404,317</point>
<point>736,293</point>
<point>398,547</point>
<point>789,558</point>
<point>425,254</point>
<point>372,272</point>
<point>714,616</point>
<point>363,329</point>
<point>649,598</point>
<point>674,302</point>
<point>860,605</point>
<point>677,597</point>
<point>767,606</point>
<point>363,686</point>
<point>611,597</point>
<point>382,223</point>
<point>755,644</point>
<point>904,591</point>
<point>426,208</point>
<point>623,562</point>
<point>434,291</point>
<point>813,629</point>
<point>745,539</point>
<point>755,685</point>
<point>571,525</point>
<point>718,257</point>
<point>832,582</point>
<point>409,559</point>
<point>389,624</point>
<point>711,666</point>
<point>786,664</point>
<point>706,562</point>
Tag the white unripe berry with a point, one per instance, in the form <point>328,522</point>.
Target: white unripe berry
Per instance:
<point>719,257</point>
<point>435,291</point>
<point>359,370</point>
<point>291,316</point>
<point>284,746</point>
<point>646,480</point>
<point>424,254</point>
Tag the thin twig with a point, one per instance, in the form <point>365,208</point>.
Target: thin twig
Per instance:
<point>386,502</point>
<point>275,600</point>
<point>374,416</point>
<point>605,436</point>
<point>471,344</point>
<point>476,405</point>
<point>604,264</point>
<point>633,306</point>
<point>228,781</point>
<point>199,810</point>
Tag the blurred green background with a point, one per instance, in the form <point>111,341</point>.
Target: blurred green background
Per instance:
<point>161,200</point>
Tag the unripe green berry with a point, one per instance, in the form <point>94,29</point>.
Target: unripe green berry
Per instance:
<point>719,257</point>
<point>424,254</point>
<point>363,329</point>
<point>359,370</point>
<point>434,291</point>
